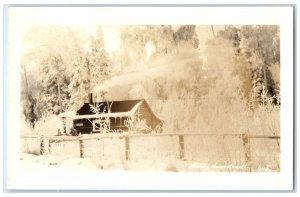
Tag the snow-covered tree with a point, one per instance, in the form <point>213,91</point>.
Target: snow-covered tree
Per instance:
<point>136,40</point>
<point>54,96</point>
<point>79,86</point>
<point>133,42</point>
<point>51,50</point>
<point>257,50</point>
<point>162,37</point>
<point>98,60</point>
<point>260,44</point>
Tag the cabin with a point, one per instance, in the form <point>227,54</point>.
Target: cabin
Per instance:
<point>112,116</point>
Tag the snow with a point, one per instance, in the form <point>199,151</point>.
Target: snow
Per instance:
<point>31,162</point>
<point>160,152</point>
<point>72,114</point>
<point>104,115</point>
<point>67,114</point>
<point>42,163</point>
<point>65,172</point>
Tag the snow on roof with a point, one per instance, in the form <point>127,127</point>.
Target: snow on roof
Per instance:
<point>73,115</point>
<point>108,106</point>
<point>103,115</point>
<point>67,114</point>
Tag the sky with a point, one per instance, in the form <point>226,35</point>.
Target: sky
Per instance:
<point>111,38</point>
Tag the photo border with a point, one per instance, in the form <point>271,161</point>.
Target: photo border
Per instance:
<point>5,99</point>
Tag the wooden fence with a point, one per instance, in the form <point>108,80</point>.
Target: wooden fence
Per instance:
<point>223,149</point>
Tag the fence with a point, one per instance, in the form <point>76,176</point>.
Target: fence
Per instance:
<point>250,151</point>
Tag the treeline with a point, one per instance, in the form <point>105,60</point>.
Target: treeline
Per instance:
<point>63,66</point>
<point>259,46</point>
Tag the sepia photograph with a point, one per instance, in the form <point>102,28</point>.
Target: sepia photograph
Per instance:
<point>167,98</point>
<point>152,97</point>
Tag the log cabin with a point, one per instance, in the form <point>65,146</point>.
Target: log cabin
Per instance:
<point>112,116</point>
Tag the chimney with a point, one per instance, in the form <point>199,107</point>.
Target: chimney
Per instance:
<point>90,98</point>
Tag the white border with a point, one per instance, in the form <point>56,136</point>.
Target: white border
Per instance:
<point>188,181</point>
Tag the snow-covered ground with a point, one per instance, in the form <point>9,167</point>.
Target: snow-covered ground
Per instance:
<point>66,172</point>
<point>42,163</point>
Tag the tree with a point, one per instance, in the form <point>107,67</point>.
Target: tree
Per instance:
<point>222,68</point>
<point>259,46</point>
<point>186,34</point>
<point>162,36</point>
<point>98,61</point>
<point>51,50</point>
<point>54,95</point>
<point>79,86</point>
<point>133,42</point>
<point>232,34</point>
<point>28,102</point>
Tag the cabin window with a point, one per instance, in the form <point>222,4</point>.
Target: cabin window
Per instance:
<point>102,125</point>
<point>78,123</point>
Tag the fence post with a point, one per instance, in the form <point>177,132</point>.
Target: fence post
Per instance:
<point>64,125</point>
<point>49,146</point>
<point>247,151</point>
<point>41,145</point>
<point>181,146</point>
<point>127,148</point>
<point>81,148</point>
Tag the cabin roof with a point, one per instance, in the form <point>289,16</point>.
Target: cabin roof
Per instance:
<point>116,107</point>
<point>124,108</point>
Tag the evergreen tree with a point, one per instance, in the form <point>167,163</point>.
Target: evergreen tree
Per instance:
<point>54,96</point>
<point>98,61</point>
<point>79,86</point>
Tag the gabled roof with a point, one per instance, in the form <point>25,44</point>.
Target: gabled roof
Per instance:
<point>125,108</point>
<point>118,109</point>
<point>116,106</point>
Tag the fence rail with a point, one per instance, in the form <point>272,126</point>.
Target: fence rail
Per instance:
<point>239,149</point>
<point>100,136</point>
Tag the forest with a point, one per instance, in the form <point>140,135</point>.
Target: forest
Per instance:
<point>227,82</point>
